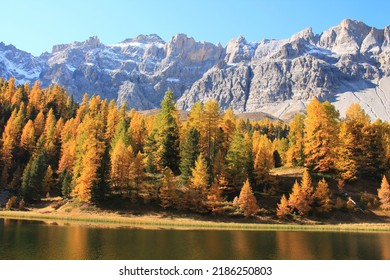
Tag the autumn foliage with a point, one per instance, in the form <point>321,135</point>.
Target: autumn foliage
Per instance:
<point>95,150</point>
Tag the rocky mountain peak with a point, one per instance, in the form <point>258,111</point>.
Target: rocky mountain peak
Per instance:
<point>305,34</point>
<point>239,49</point>
<point>275,76</point>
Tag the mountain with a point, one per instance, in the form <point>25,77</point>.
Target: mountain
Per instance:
<point>346,63</point>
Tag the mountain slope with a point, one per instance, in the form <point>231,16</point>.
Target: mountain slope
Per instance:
<point>346,63</point>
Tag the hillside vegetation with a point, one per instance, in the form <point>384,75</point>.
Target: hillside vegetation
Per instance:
<point>212,162</point>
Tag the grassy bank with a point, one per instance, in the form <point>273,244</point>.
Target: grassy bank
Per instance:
<point>178,222</point>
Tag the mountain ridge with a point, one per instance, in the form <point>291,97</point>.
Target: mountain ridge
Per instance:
<point>346,63</point>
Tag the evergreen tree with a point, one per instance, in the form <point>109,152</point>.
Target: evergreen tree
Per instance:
<point>168,135</point>
<point>189,152</point>
<point>65,183</point>
<point>47,181</point>
<point>32,180</point>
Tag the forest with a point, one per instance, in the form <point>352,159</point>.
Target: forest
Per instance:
<point>208,162</point>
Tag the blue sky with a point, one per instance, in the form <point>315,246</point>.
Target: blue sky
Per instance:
<point>35,26</point>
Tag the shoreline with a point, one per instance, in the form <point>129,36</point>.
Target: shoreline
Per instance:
<point>183,223</point>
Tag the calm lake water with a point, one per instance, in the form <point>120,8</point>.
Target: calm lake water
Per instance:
<point>37,240</point>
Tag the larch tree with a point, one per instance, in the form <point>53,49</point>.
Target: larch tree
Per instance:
<point>356,119</point>
<point>47,183</point>
<point>35,96</point>
<point>211,120</point>
<point>228,125</point>
<point>121,159</point>
<point>139,171</point>
<point>198,187</point>
<point>10,140</point>
<point>384,194</point>
<point>137,130</point>
<point>297,201</point>
<point>263,161</point>
<point>237,160</point>
<point>321,197</point>
<point>90,152</point>
<point>39,124</point>
<point>167,193</point>
<point>295,155</point>
<point>373,151</point>
<point>346,162</point>
<point>214,197</point>
<point>283,208</point>
<point>307,188</point>
<point>112,121</point>
<point>247,201</point>
<point>321,128</point>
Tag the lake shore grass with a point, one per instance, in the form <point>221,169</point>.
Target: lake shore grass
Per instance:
<point>178,222</point>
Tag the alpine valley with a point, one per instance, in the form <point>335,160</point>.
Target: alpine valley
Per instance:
<point>348,63</point>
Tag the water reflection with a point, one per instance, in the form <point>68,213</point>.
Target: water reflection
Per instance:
<point>36,240</point>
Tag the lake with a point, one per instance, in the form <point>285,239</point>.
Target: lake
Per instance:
<point>20,239</point>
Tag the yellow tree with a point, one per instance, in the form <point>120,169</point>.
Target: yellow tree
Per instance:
<point>195,117</point>
<point>283,208</point>
<point>27,139</point>
<point>47,181</point>
<point>68,156</point>
<point>307,188</point>
<point>167,192</point>
<point>112,120</point>
<point>35,96</point>
<point>228,126</point>
<point>121,159</point>
<point>10,139</point>
<point>197,192</point>
<point>384,194</point>
<point>353,157</point>
<point>295,155</point>
<point>10,90</point>
<point>263,161</point>
<point>346,161</point>
<point>247,200</point>
<point>321,197</point>
<point>214,197</point>
<point>297,201</point>
<point>39,124</point>
<point>90,151</point>
<point>211,120</point>
<point>321,128</point>
<point>137,130</point>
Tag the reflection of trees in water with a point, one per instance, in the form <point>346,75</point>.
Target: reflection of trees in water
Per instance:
<point>293,245</point>
<point>384,241</point>
<point>307,245</point>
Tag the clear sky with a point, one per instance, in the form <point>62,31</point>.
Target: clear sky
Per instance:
<point>35,26</point>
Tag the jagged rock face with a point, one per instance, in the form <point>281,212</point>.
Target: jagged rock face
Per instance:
<point>247,76</point>
<point>19,64</point>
